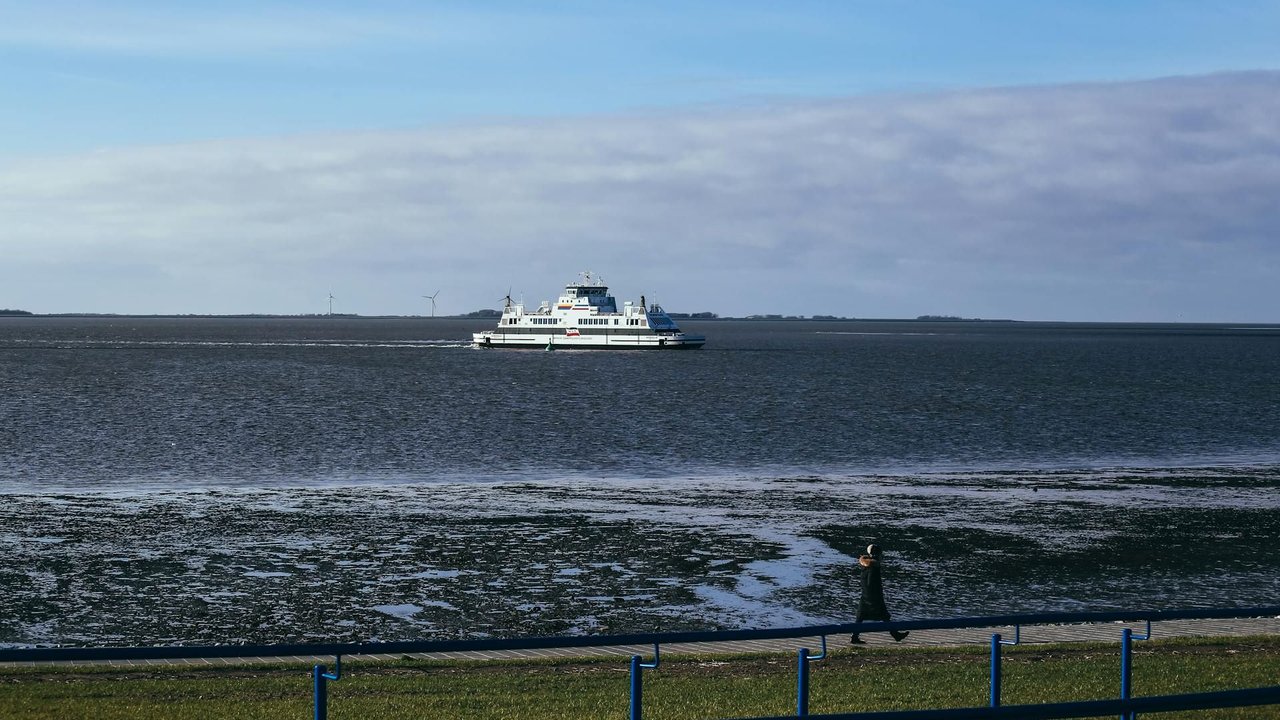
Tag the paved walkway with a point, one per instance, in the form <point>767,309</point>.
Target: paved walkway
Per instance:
<point>970,636</point>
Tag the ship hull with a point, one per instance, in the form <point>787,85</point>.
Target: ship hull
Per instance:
<point>541,341</point>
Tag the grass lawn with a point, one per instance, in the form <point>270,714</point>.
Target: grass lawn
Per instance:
<point>720,686</point>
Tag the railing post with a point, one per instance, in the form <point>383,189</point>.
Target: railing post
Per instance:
<point>1126,669</point>
<point>320,678</point>
<point>802,677</point>
<point>802,684</point>
<point>320,692</point>
<point>636,687</point>
<point>995,669</point>
<point>637,680</point>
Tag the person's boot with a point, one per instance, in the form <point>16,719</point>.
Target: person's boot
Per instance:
<point>899,635</point>
<point>855,640</point>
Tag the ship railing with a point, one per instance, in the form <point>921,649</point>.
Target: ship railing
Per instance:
<point>1125,706</point>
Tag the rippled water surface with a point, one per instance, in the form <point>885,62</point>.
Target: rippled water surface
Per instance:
<point>197,480</point>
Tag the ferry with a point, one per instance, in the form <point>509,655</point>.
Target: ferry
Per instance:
<point>587,317</point>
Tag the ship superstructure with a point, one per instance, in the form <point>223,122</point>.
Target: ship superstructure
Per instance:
<point>586,316</point>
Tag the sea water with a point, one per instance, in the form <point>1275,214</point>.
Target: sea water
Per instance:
<point>269,480</point>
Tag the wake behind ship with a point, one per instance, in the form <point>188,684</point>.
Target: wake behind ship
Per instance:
<point>587,317</point>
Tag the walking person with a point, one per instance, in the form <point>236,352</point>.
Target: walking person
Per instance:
<point>871,606</point>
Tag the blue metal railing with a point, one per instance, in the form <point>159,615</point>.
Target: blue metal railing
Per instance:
<point>1126,665</point>
<point>802,677</point>
<point>996,665</point>
<point>320,687</point>
<point>1125,705</point>
<point>638,666</point>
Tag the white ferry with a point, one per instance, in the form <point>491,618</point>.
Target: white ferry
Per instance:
<point>586,316</point>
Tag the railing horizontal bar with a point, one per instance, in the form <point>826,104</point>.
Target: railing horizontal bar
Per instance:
<point>1083,709</point>
<point>52,654</point>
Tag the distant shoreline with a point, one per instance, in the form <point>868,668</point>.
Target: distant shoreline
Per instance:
<point>492,315</point>
<point>346,316</point>
<point>681,317</point>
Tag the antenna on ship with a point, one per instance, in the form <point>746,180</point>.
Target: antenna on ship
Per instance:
<point>432,298</point>
<point>508,297</point>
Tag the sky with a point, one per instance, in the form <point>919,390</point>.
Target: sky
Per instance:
<point>1074,161</point>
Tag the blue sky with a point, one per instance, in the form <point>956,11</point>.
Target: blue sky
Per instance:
<point>130,130</point>
<point>79,76</point>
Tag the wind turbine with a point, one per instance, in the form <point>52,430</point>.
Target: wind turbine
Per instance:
<point>331,299</point>
<point>432,298</point>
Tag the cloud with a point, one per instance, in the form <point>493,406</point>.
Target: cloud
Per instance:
<point>1146,200</point>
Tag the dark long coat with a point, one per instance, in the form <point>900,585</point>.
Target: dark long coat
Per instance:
<point>871,606</point>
